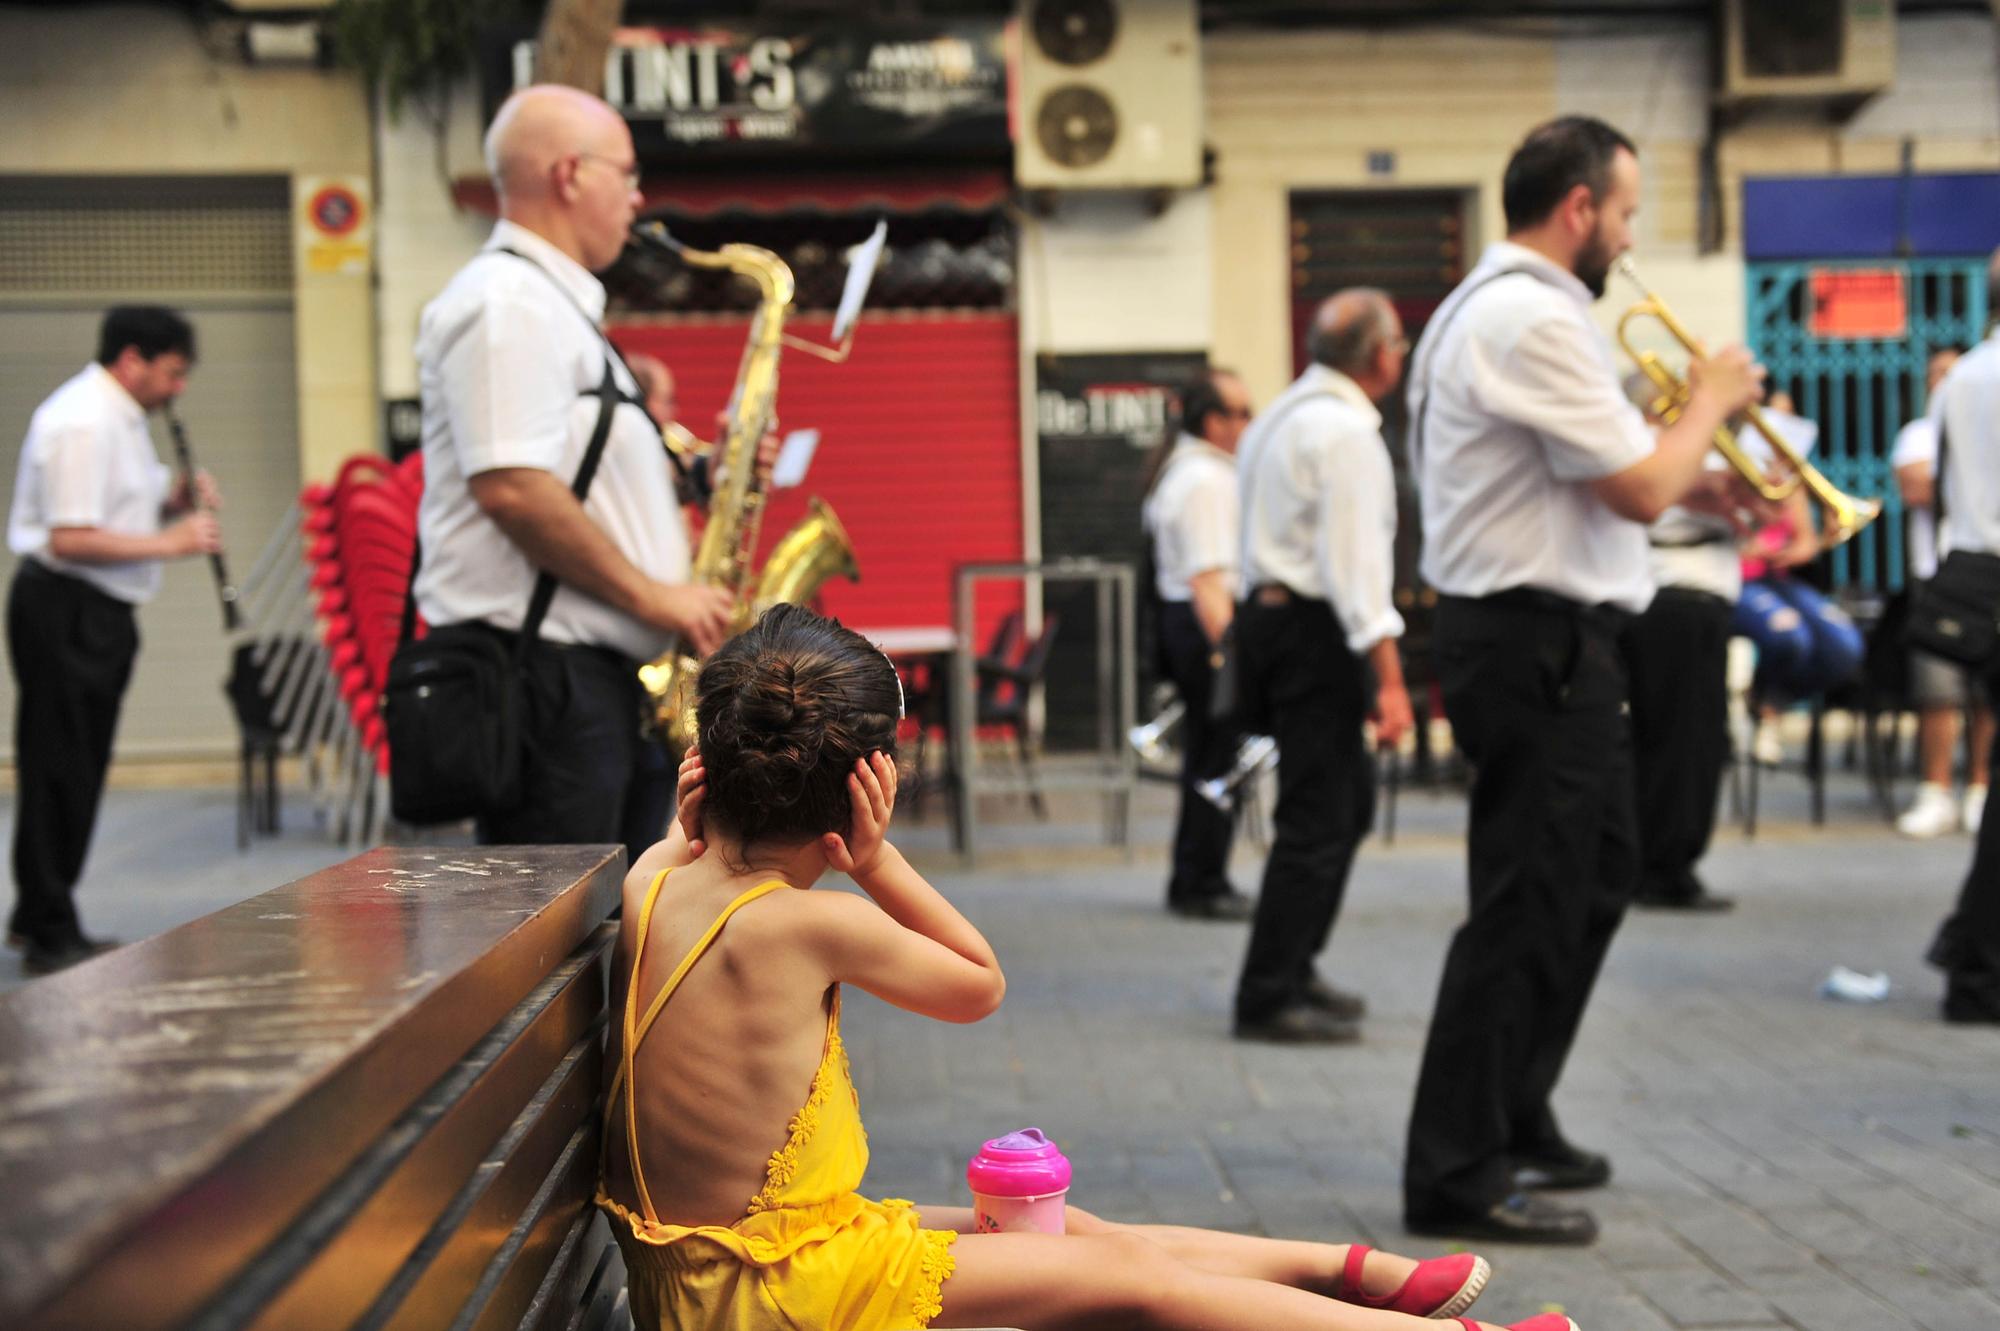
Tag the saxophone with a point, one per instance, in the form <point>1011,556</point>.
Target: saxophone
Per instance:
<point>814,550</point>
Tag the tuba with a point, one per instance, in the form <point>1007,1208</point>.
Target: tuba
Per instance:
<point>1845,515</point>
<point>813,551</point>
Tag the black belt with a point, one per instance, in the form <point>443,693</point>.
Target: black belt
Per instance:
<point>609,655</point>
<point>1547,603</point>
<point>1278,594</point>
<point>34,570</point>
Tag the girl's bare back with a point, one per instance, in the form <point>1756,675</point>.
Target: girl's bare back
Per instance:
<point>731,1057</point>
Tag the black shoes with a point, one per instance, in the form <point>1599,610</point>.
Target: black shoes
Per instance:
<point>1228,906</point>
<point>38,959</point>
<point>1564,1167</point>
<point>1701,902</point>
<point>1341,1003</point>
<point>1683,891</point>
<point>1299,1023</point>
<point>1522,1218</point>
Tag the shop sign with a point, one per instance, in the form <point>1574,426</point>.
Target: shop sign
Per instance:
<point>731,92</point>
<point>1857,303</point>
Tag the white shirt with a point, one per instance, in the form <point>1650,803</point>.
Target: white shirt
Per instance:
<point>1525,412</point>
<point>1191,515</point>
<point>1968,404</point>
<point>88,461</point>
<point>1319,503</point>
<point>1696,551</point>
<point>1917,443</point>
<point>505,361</point>
<point>1699,551</point>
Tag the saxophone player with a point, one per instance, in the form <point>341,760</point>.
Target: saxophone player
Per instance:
<point>514,380</point>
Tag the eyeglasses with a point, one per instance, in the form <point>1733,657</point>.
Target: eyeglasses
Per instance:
<point>629,173</point>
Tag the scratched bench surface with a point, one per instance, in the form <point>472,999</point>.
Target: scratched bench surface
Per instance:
<point>189,1091</point>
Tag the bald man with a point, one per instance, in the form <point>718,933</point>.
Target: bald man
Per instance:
<point>1316,637</point>
<point>514,369</point>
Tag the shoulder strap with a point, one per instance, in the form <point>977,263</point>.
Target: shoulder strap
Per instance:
<point>1435,335</point>
<point>609,395</point>
<point>1937,477</point>
<point>636,1027</point>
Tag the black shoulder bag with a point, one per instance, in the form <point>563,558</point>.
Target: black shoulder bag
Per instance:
<point>1956,614</point>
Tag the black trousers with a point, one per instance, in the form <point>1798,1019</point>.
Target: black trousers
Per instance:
<point>1304,688</point>
<point>590,775</point>
<point>1536,694</point>
<point>72,649</point>
<point>1677,656</point>
<point>1203,832</point>
<point>1967,947</point>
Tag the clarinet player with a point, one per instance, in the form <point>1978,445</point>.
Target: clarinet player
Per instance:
<point>94,516</point>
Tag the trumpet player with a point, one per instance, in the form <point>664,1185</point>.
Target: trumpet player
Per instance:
<point>1190,518</point>
<point>1537,480</point>
<point>512,360</point>
<point>1316,633</point>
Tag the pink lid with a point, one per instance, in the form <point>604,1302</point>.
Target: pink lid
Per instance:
<point>1020,1164</point>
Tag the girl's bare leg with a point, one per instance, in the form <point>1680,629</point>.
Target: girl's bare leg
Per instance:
<point>1315,1267</point>
<point>1120,1280</point>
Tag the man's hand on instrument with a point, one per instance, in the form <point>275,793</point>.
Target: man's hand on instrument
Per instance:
<point>196,534</point>
<point>1731,377</point>
<point>1391,715</point>
<point>1727,494</point>
<point>700,614</point>
<point>767,456</point>
<point>204,494</point>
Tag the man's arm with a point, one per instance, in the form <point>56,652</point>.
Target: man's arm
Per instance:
<point>1918,483</point>
<point>1214,604</point>
<point>195,534</point>
<point>1355,547</point>
<point>542,517</point>
<point>1391,714</point>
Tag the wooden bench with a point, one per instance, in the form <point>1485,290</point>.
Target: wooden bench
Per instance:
<point>367,1099</point>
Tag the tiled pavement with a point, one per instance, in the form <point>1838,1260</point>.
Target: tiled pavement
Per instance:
<point>1783,1161</point>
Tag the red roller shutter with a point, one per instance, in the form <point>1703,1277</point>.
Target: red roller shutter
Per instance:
<point>919,453</point>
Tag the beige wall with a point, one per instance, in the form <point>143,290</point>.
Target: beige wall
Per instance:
<point>141,89</point>
<point>1302,110</point>
<point>1290,110</point>
<point>424,236</point>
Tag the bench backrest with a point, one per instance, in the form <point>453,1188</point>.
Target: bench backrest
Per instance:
<point>369,1098</point>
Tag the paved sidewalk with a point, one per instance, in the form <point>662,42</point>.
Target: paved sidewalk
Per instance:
<point>1783,1161</point>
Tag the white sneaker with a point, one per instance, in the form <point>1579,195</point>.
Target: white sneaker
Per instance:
<point>1765,746</point>
<point>1975,806</point>
<point>1932,813</point>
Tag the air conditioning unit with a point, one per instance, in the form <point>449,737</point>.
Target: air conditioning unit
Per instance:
<point>1108,95</point>
<point>1823,50</point>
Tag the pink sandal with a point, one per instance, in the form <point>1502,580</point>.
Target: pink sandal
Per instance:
<point>1545,1322</point>
<point>1439,1287</point>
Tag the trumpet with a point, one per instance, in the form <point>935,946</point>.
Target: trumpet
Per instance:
<point>1844,514</point>
<point>1255,756</point>
<point>1149,741</point>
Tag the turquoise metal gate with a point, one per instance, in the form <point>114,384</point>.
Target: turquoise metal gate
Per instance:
<point>1861,391</point>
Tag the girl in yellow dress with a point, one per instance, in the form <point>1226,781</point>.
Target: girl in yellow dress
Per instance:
<point>734,1144</point>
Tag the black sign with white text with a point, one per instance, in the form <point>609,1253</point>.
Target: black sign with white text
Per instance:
<point>776,90</point>
<point>1099,419</point>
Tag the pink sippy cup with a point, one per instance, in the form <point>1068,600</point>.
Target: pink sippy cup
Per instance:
<point>1018,1183</point>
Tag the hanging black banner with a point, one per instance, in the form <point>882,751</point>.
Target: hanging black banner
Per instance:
<point>773,91</point>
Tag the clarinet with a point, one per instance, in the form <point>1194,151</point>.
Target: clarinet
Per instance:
<point>225,590</point>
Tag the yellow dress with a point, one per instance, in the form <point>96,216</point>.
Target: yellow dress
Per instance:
<point>809,1254</point>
